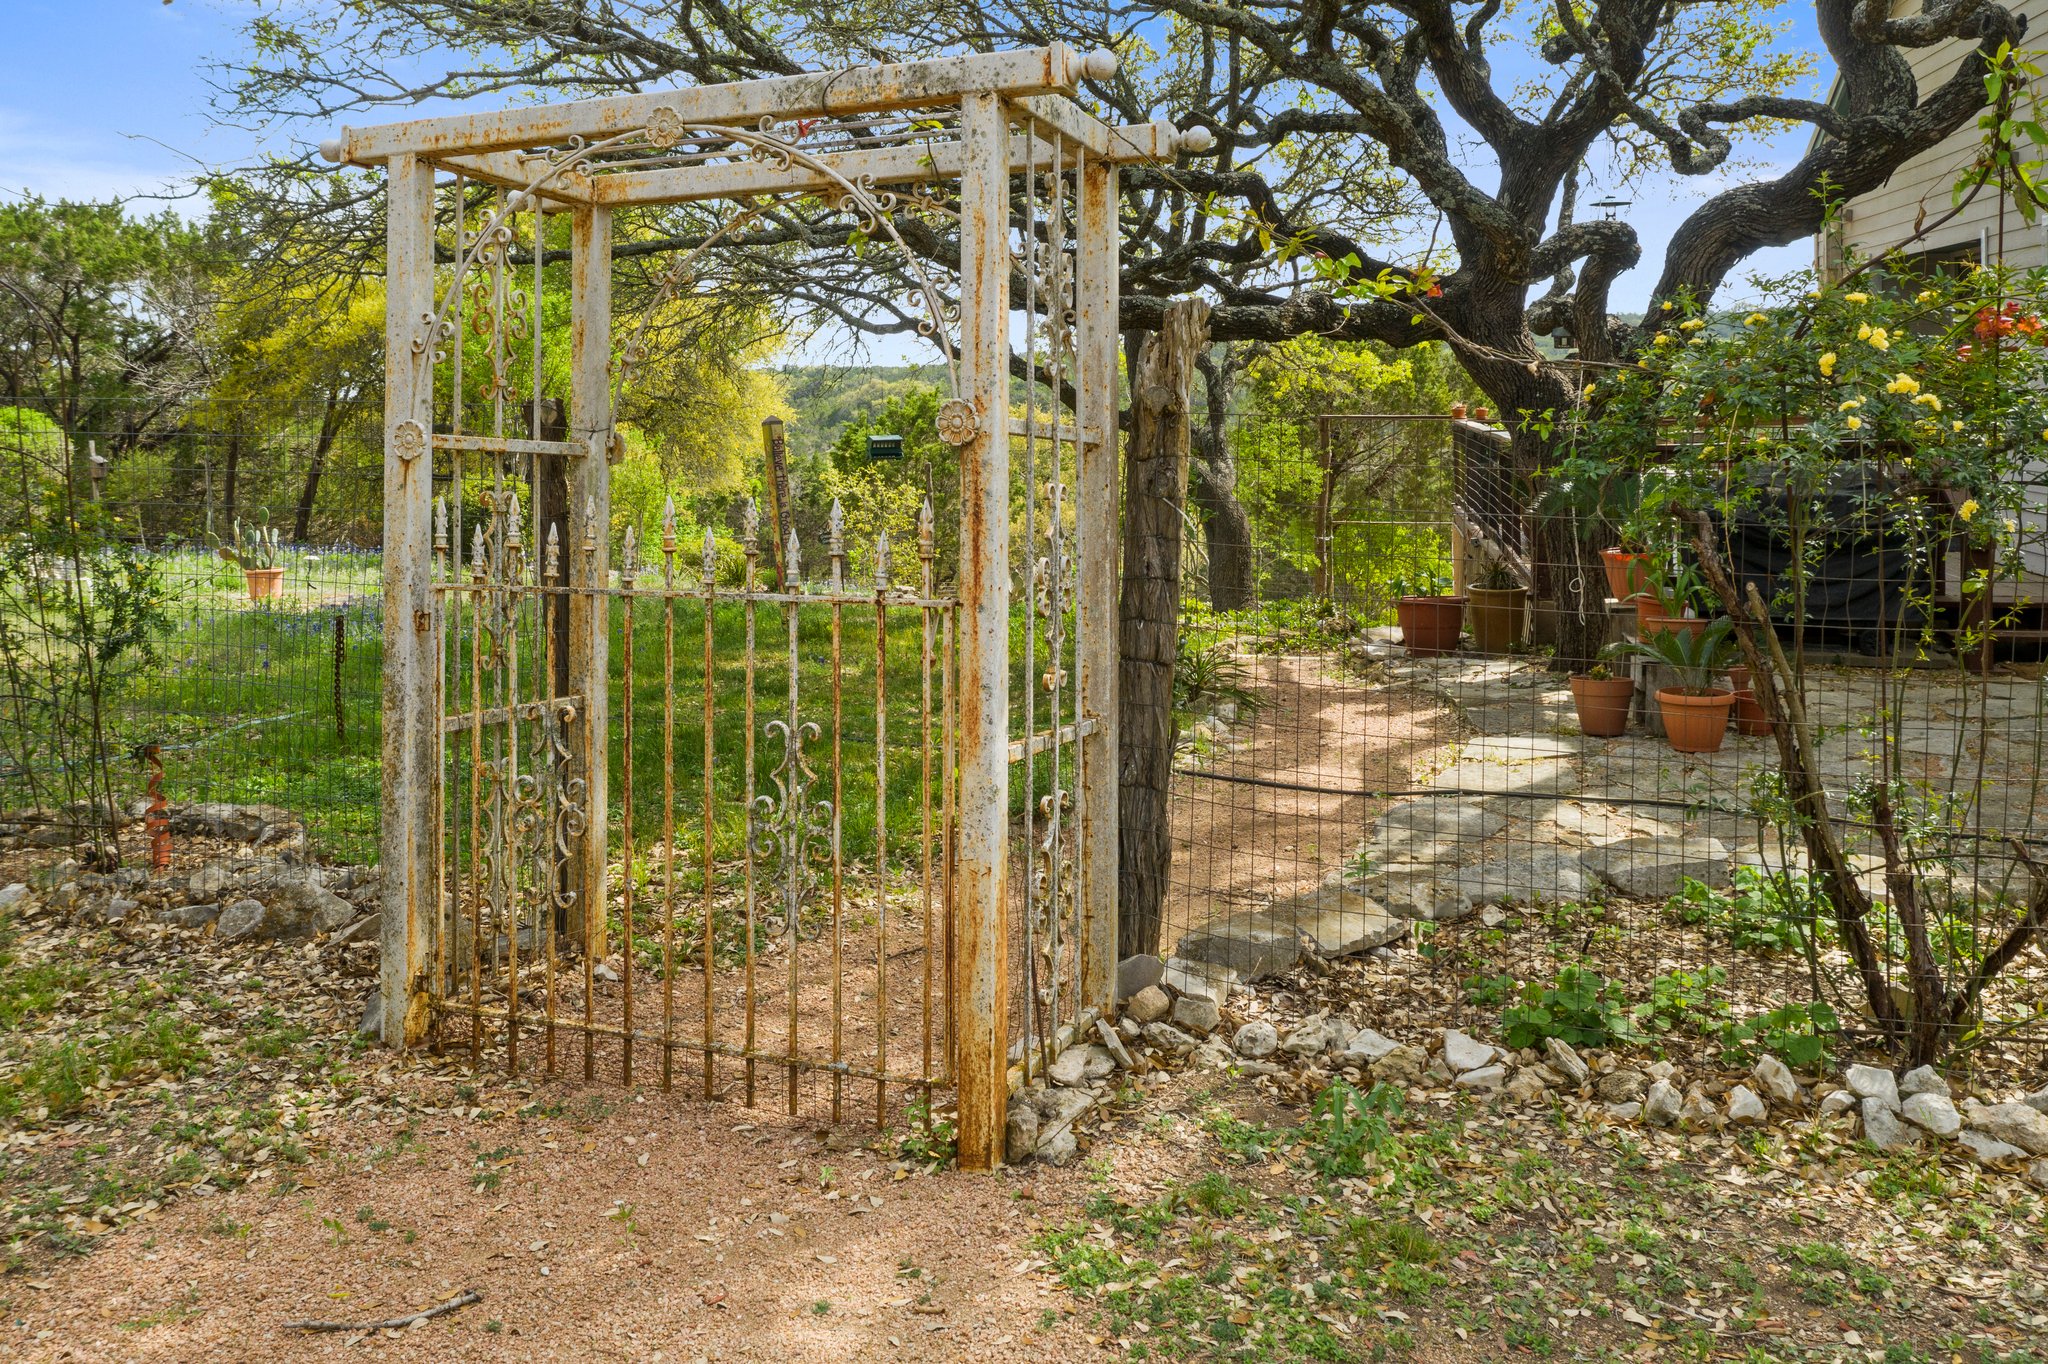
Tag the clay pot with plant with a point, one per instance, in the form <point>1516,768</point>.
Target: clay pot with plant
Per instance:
<point>1602,701</point>
<point>1695,711</point>
<point>1496,607</point>
<point>255,550</point>
<point>1431,618</point>
<point>1678,601</point>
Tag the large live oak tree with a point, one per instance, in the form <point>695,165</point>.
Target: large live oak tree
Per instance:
<point>1399,172</point>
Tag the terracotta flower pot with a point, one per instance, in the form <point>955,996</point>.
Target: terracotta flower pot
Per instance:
<point>1603,704</point>
<point>1651,620</point>
<point>1430,625</point>
<point>1628,574</point>
<point>1749,716</point>
<point>1496,615</point>
<point>1695,722</point>
<point>1458,411</point>
<point>262,582</point>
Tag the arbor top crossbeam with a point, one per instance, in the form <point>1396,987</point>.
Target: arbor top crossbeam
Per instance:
<point>889,124</point>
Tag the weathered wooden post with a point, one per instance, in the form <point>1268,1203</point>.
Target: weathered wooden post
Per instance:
<point>411,846</point>
<point>981,897</point>
<point>1095,607</point>
<point>590,511</point>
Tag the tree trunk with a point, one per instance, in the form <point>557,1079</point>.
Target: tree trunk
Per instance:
<point>1226,529</point>
<point>1155,491</point>
<point>330,426</point>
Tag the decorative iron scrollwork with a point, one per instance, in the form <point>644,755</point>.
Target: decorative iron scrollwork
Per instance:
<point>791,833</point>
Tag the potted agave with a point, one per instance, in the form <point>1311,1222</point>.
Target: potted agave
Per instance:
<point>1430,617</point>
<point>1602,700</point>
<point>256,551</point>
<point>1496,606</point>
<point>1677,601</point>
<point>1695,712</point>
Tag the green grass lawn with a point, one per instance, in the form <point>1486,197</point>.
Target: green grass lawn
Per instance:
<point>244,699</point>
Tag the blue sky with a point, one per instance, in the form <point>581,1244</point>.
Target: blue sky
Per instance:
<point>108,97</point>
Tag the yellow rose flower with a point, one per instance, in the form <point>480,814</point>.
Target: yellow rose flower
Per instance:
<point>1879,339</point>
<point>1850,405</point>
<point>1903,383</point>
<point>1827,370</point>
<point>1863,331</point>
<point>1855,423</point>
<point>1925,296</point>
<point>1667,305</point>
<point>1857,298</point>
<point>1691,324</point>
<point>1968,509</point>
<point>1955,425</point>
<point>1929,400</point>
<point>1663,339</point>
<point>1754,320</point>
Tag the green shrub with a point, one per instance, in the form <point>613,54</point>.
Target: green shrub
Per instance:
<point>1760,912</point>
<point>1579,1006</point>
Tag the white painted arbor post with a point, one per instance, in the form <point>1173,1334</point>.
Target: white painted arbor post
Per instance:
<point>590,496</point>
<point>1095,623</point>
<point>410,843</point>
<point>981,995</point>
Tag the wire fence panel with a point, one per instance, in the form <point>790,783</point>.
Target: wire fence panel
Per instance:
<point>1390,759</point>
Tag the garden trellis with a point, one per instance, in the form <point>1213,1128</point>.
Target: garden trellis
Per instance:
<point>498,846</point>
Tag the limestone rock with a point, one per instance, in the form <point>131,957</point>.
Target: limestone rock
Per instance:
<point>1483,1077</point>
<point>1115,1045</point>
<point>1625,1112</point>
<point>372,1021</point>
<point>1170,1039</point>
<point>1661,1106</point>
<point>1988,1150</point>
<point>12,895</point>
<point>1745,1106</point>
<point>1137,973</point>
<point>1884,1128</point>
<point>1058,1147</point>
<point>1836,1101</point>
<point>1621,1086</point>
<point>254,921</point>
<point>1340,920</point>
<point>1775,1079</point>
<point>1463,1053</point>
<point>1366,1047</point>
<point>1020,1130</point>
<point>207,883</point>
<point>2014,1123</point>
<point>1933,1112</point>
<point>1196,1015</point>
<point>303,894</point>
<point>1248,946</point>
<point>364,929</point>
<point>1310,1039</point>
<point>1149,1005</point>
<point>1256,1039</point>
<point>1567,1060</point>
<point>1196,978</point>
<point>257,824</point>
<point>1923,1080</point>
<point>1698,1110</point>
<point>1071,1067</point>
<point>1655,867</point>
<point>188,916</point>
<point>1543,877</point>
<point>1527,1086</point>
<point>2037,1101</point>
<point>1401,1066</point>
<point>117,909</point>
<point>1873,1082</point>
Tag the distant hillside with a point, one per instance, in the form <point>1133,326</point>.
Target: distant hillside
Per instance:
<point>825,398</point>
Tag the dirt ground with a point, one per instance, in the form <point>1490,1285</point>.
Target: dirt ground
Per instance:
<point>1238,843</point>
<point>594,1224</point>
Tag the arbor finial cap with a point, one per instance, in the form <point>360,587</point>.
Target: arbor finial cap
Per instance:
<point>1196,140</point>
<point>330,150</point>
<point>1099,65</point>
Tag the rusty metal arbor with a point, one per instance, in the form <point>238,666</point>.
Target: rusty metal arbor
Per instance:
<point>511,862</point>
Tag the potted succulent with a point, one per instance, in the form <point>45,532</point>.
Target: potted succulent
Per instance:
<point>1603,701</point>
<point>255,550</point>
<point>1695,712</point>
<point>1677,600</point>
<point>1430,616</point>
<point>1496,606</point>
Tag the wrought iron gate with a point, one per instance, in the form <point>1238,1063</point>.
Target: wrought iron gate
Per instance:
<point>519,687</point>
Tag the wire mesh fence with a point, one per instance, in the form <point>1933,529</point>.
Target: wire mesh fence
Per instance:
<point>1377,748</point>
